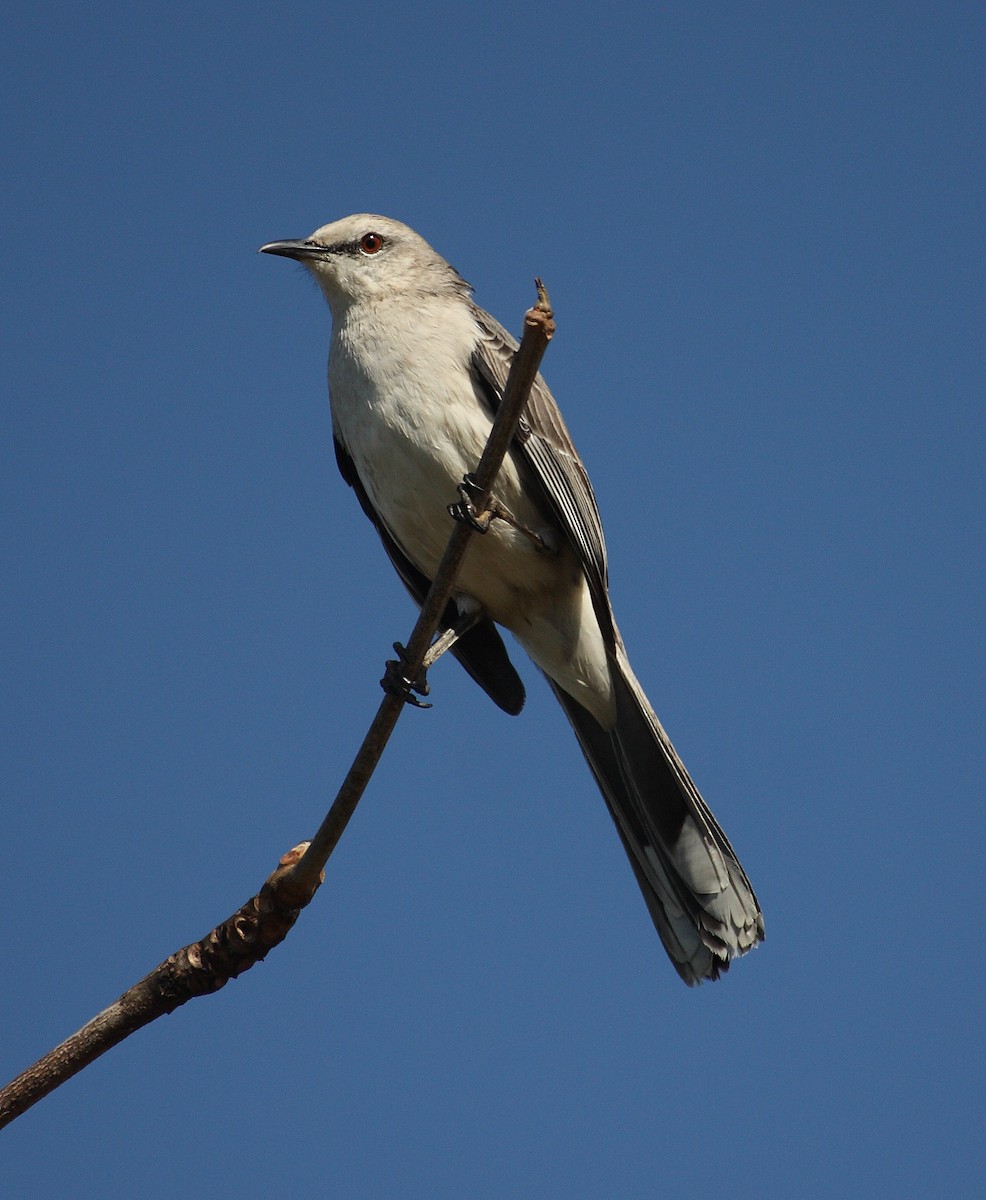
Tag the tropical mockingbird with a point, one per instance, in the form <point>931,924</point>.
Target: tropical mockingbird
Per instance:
<point>416,372</point>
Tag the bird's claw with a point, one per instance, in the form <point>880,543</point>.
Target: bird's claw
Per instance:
<point>467,511</point>
<point>397,682</point>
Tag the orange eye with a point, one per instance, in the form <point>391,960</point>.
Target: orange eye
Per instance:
<point>371,243</point>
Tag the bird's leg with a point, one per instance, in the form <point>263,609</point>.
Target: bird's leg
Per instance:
<point>445,641</point>
<point>502,514</point>
<point>396,678</point>
<point>467,512</point>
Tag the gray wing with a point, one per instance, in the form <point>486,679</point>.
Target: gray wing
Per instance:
<point>544,443</point>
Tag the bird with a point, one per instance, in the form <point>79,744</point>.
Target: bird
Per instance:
<point>416,372</point>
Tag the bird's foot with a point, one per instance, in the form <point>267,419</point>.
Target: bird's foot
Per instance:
<point>467,510</point>
<point>396,679</point>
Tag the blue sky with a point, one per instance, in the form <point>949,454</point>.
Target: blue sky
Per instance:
<point>762,230</point>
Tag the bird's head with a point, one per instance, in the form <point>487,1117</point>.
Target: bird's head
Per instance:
<point>366,257</point>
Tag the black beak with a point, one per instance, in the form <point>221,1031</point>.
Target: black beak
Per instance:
<point>299,250</point>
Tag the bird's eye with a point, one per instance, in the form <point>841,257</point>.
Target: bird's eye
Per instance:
<point>371,243</point>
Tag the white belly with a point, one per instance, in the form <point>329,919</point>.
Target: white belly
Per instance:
<point>412,441</point>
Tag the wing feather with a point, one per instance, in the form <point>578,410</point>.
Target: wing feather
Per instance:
<point>544,443</point>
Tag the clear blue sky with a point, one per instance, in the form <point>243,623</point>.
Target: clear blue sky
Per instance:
<point>762,229</point>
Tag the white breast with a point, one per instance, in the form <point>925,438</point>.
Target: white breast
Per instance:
<point>406,409</point>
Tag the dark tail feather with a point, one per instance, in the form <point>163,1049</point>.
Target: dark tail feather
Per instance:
<point>696,891</point>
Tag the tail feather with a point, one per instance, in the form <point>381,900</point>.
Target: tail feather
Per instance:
<point>697,893</point>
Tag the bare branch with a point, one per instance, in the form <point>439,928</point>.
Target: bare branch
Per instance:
<point>264,921</point>
<point>196,970</point>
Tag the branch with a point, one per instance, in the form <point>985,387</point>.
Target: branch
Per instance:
<point>196,970</point>
<point>246,937</point>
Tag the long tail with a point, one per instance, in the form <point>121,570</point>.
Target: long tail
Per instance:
<point>698,894</point>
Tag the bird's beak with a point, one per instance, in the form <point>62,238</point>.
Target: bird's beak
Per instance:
<point>297,249</point>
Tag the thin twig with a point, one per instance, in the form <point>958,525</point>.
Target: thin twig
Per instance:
<point>264,921</point>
